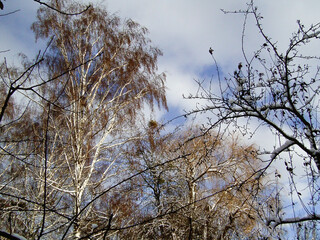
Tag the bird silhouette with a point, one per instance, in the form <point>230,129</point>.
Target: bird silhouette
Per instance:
<point>210,50</point>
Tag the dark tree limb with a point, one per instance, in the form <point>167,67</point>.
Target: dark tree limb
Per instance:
<point>9,236</point>
<point>62,12</point>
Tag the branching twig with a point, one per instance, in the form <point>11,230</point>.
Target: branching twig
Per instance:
<point>62,12</point>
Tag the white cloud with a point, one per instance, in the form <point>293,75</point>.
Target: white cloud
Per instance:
<point>184,30</point>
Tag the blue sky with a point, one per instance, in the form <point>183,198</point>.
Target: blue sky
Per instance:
<point>184,30</point>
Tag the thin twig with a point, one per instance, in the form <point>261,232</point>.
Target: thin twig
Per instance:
<point>9,13</point>
<point>62,12</point>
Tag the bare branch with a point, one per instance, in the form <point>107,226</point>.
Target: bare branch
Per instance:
<point>62,12</point>
<point>275,223</point>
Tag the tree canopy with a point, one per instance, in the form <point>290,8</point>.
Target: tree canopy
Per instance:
<point>80,159</point>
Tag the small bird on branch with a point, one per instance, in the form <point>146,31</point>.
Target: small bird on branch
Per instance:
<point>210,50</point>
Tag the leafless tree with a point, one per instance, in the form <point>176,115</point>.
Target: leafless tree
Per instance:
<point>280,91</point>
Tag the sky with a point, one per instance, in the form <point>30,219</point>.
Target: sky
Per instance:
<point>184,30</point>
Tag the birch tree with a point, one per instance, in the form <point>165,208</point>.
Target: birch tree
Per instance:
<point>20,198</point>
<point>97,75</point>
<point>197,186</point>
<point>217,187</point>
